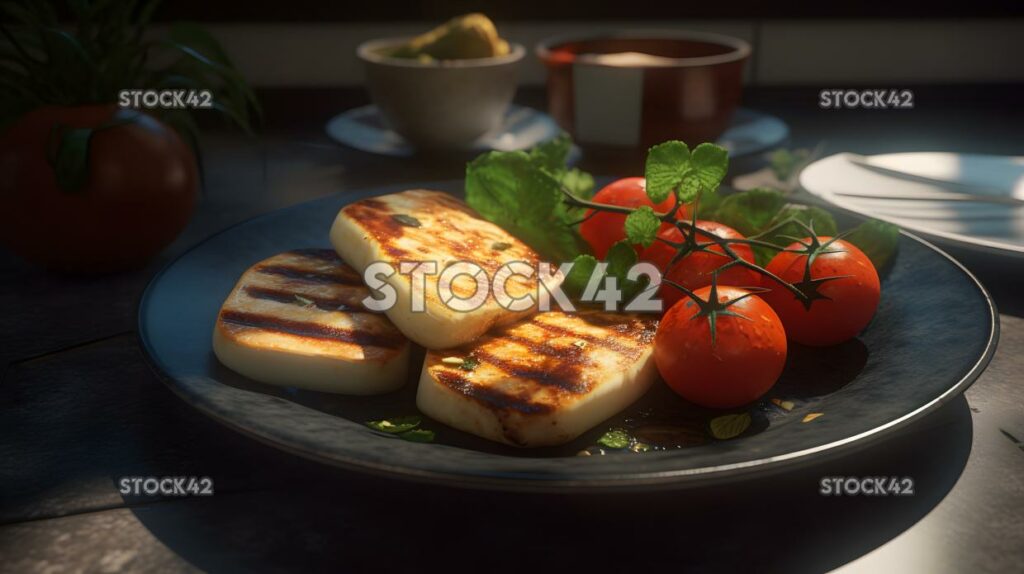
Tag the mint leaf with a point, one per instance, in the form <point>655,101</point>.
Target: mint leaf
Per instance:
<point>730,426</point>
<point>579,183</point>
<point>616,438</point>
<point>750,212</point>
<point>877,239</point>
<point>578,277</point>
<point>514,191</point>
<point>552,154</point>
<point>508,186</point>
<point>642,226</point>
<point>784,162</point>
<point>395,425</point>
<point>816,217</point>
<point>708,166</point>
<point>666,166</point>
<point>418,435</point>
<point>708,205</point>
<point>620,258</point>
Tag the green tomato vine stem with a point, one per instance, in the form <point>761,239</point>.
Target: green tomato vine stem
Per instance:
<point>690,231</point>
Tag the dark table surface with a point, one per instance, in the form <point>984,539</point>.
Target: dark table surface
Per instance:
<point>80,409</point>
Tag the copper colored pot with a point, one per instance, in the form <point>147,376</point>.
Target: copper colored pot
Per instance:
<point>632,90</point>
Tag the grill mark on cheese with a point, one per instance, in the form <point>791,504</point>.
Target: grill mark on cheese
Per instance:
<point>374,216</point>
<point>490,396</point>
<point>563,373</point>
<point>323,303</point>
<point>442,229</point>
<point>627,349</point>
<point>310,275</point>
<point>312,330</point>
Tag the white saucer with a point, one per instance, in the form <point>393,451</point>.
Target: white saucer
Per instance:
<point>364,129</point>
<point>981,226</point>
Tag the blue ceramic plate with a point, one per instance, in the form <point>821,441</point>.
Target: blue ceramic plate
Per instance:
<point>364,129</point>
<point>934,333</point>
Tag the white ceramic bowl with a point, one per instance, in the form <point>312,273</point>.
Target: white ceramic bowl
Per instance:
<point>443,104</point>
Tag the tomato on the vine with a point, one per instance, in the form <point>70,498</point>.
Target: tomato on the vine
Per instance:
<point>602,230</point>
<point>736,364</point>
<point>843,286</point>
<point>696,269</point>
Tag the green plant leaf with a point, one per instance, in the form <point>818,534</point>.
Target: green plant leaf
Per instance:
<point>418,435</point>
<point>552,154</point>
<point>708,166</point>
<point>513,191</point>
<point>729,426</point>
<point>877,239</point>
<point>579,183</point>
<point>578,277</point>
<point>621,256</point>
<point>396,425</point>
<point>615,438</point>
<point>197,38</point>
<point>820,220</point>
<point>750,211</point>
<point>642,226</point>
<point>666,166</point>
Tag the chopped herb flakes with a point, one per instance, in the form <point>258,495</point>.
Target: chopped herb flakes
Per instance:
<point>406,220</point>
<point>418,435</point>
<point>464,363</point>
<point>616,438</point>
<point>500,245</point>
<point>730,426</point>
<point>395,425</point>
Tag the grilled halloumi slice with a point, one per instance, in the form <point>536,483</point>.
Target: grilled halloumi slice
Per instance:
<point>418,226</point>
<point>297,320</point>
<point>543,381</point>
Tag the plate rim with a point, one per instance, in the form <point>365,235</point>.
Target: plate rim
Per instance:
<point>960,240</point>
<point>663,480</point>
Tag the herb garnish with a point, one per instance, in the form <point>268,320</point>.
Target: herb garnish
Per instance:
<point>404,428</point>
<point>730,426</point>
<point>406,220</point>
<point>418,435</point>
<point>615,438</point>
<point>522,192</point>
<point>464,363</point>
<point>304,301</point>
<point>395,425</point>
<point>500,245</point>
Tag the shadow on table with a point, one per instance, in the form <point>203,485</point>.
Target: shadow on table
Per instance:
<point>328,519</point>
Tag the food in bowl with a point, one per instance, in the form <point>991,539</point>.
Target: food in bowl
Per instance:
<point>635,89</point>
<point>442,91</point>
<point>463,37</point>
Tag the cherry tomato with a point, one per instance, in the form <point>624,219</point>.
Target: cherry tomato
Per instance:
<point>695,269</point>
<point>743,362</point>
<point>606,229</point>
<point>141,187</point>
<point>846,305</point>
